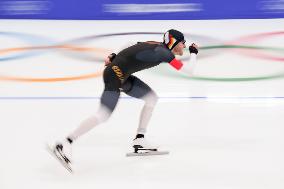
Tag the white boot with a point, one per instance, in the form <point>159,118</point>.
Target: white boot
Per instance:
<point>64,150</point>
<point>142,147</point>
<point>143,144</point>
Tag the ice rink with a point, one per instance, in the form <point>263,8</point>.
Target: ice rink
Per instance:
<point>223,126</point>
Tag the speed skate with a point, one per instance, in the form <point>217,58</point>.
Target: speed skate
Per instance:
<point>65,162</point>
<point>146,152</point>
<point>140,150</point>
<point>142,147</point>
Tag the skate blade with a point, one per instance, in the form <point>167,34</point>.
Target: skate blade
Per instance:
<point>58,158</point>
<point>148,153</point>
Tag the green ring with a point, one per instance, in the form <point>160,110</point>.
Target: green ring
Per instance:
<point>241,47</point>
<point>274,76</point>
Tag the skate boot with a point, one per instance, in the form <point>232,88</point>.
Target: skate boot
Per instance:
<point>62,151</point>
<point>141,145</point>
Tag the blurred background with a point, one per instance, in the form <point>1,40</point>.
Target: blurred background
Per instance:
<point>223,125</point>
<point>137,9</point>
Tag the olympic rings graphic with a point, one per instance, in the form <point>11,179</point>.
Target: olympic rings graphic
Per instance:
<point>31,40</point>
<point>78,45</point>
<point>251,51</point>
<point>248,50</point>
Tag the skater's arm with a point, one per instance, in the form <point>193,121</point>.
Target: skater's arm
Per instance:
<point>189,66</point>
<point>177,64</point>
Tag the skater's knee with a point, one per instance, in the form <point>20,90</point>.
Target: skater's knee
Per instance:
<point>103,114</point>
<point>109,100</point>
<point>151,99</point>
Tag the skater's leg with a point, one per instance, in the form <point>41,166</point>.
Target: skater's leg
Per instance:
<point>109,100</point>
<point>63,150</point>
<point>136,88</point>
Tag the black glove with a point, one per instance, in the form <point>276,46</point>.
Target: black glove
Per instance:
<point>192,49</point>
<point>111,56</point>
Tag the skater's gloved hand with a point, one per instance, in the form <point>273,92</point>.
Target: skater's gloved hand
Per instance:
<point>193,48</point>
<point>110,58</point>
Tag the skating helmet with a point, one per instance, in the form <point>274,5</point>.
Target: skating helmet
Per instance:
<point>172,38</point>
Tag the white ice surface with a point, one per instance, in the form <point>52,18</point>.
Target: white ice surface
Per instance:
<point>222,141</point>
